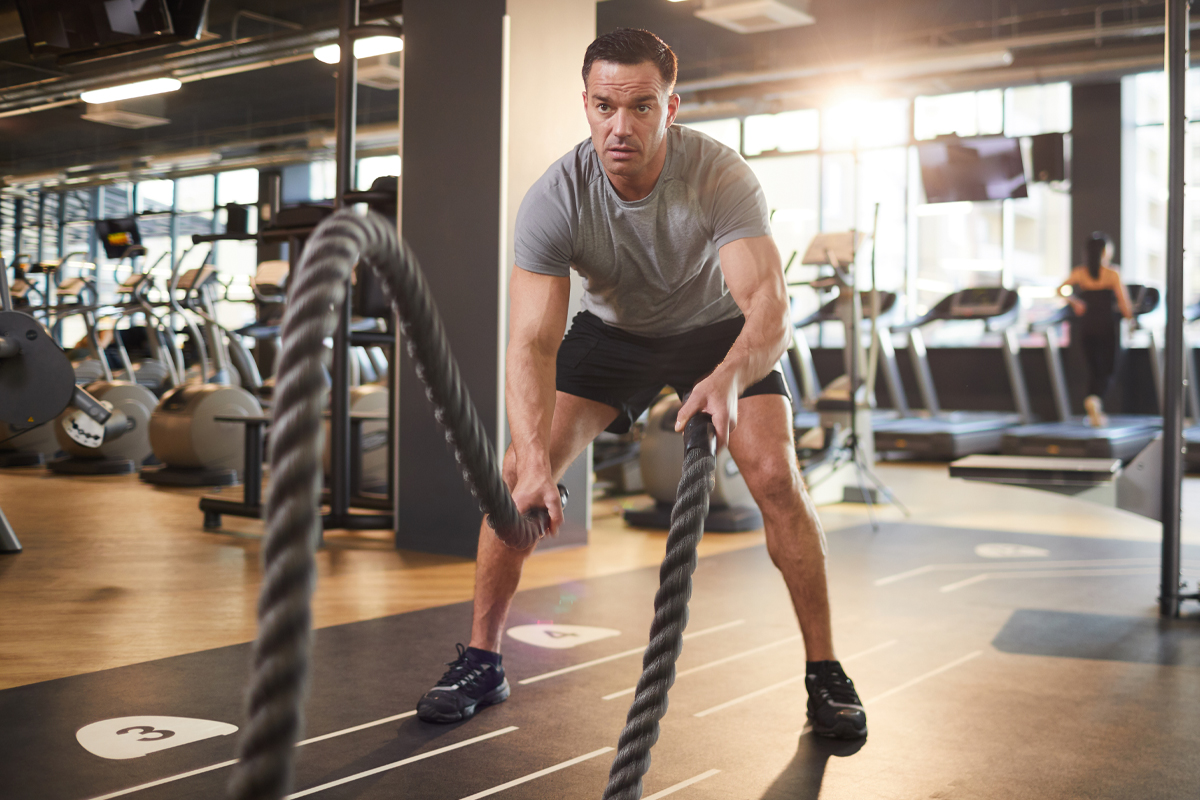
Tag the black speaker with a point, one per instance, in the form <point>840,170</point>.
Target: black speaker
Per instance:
<point>237,219</point>
<point>1049,157</point>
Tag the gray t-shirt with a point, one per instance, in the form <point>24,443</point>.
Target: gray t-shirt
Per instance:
<point>649,267</point>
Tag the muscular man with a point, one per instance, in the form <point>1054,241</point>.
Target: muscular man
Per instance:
<point>684,288</point>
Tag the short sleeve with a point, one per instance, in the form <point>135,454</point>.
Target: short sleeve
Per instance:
<point>545,233</point>
<point>739,207</point>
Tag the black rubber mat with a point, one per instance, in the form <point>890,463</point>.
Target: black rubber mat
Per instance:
<point>949,635</point>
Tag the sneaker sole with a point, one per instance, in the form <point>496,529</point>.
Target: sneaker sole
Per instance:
<point>842,730</point>
<point>497,695</point>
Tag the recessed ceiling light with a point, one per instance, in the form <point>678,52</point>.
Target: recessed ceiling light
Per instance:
<point>128,91</point>
<point>363,48</point>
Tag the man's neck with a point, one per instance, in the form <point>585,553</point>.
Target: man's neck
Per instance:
<point>638,187</point>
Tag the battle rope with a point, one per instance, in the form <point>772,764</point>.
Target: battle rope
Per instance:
<point>276,691</point>
<point>277,687</point>
<point>670,613</point>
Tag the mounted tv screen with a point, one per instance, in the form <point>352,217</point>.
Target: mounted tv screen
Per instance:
<point>74,30</point>
<point>118,235</point>
<point>979,168</point>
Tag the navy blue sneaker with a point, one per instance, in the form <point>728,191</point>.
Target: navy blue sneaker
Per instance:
<point>833,706</point>
<point>473,681</point>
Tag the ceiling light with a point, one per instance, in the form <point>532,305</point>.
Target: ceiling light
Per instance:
<point>130,90</point>
<point>363,48</point>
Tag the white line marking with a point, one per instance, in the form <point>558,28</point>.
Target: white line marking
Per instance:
<point>716,663</point>
<point>538,774</point>
<point>615,656</point>
<point>1014,565</point>
<point>683,785</point>
<point>357,728</point>
<point>161,781</point>
<point>912,573</point>
<point>211,767</point>
<point>781,684</point>
<point>395,764</point>
<point>1081,573</point>
<point>907,684</point>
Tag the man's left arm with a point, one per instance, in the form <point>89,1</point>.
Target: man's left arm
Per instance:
<point>754,274</point>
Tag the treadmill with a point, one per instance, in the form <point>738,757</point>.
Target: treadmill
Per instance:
<point>801,376</point>
<point>1123,437</point>
<point>941,435</point>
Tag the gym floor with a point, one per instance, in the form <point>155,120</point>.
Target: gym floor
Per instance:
<point>1004,641</point>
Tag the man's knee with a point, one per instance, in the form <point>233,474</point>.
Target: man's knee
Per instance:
<point>774,480</point>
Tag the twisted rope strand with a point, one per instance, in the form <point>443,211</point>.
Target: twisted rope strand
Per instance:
<point>666,631</point>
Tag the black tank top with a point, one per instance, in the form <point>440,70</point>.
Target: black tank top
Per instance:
<point>1102,317</point>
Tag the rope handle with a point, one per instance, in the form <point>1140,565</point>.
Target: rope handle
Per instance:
<point>533,525</point>
<point>700,434</point>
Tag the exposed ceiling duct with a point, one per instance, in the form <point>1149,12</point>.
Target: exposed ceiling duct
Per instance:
<point>951,60</point>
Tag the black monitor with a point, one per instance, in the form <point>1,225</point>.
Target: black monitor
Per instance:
<point>979,168</point>
<point>118,235</point>
<point>74,30</point>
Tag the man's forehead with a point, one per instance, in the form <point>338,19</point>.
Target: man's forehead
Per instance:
<point>640,79</point>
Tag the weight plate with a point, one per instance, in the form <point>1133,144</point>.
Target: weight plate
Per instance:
<point>37,383</point>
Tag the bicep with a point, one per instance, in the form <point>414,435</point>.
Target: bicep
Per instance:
<point>538,304</point>
<point>753,271</point>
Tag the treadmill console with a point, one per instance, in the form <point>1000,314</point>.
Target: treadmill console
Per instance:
<point>979,303</point>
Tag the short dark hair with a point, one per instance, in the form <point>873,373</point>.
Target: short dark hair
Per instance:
<point>632,46</point>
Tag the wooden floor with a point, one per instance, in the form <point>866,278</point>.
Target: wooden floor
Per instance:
<point>115,572</point>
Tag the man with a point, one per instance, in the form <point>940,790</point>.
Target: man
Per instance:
<point>684,288</point>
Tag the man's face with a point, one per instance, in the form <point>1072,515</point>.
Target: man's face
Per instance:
<point>629,110</point>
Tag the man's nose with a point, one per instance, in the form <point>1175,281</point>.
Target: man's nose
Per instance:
<point>622,123</point>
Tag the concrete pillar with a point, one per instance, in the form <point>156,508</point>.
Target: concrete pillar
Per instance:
<point>491,99</point>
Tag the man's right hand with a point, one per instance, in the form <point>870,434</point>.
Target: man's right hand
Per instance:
<point>535,491</point>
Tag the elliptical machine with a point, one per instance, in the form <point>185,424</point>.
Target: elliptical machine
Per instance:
<point>731,507</point>
<point>187,435</point>
<point>114,455</point>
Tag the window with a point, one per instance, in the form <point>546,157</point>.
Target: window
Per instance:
<point>851,124</point>
<point>787,132</point>
<point>961,114</point>
<point>376,167</point>
<point>1030,110</point>
<point>726,131</point>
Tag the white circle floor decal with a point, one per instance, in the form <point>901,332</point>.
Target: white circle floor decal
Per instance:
<point>131,737</point>
<point>559,637</point>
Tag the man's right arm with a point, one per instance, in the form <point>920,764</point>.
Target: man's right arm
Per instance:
<point>537,320</point>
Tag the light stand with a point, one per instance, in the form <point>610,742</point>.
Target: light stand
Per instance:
<point>849,450</point>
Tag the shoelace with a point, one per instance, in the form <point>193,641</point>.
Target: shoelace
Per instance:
<point>839,688</point>
<point>461,669</point>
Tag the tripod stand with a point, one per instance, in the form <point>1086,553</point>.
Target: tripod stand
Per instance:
<point>839,251</point>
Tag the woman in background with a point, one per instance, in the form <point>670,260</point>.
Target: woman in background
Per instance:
<point>1096,295</point>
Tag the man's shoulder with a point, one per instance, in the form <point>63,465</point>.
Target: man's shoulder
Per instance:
<point>699,150</point>
<point>570,174</point>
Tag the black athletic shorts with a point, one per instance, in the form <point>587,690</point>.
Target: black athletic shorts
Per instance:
<point>599,362</point>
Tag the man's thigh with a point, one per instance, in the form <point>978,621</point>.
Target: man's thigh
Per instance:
<point>762,444</point>
<point>577,421</point>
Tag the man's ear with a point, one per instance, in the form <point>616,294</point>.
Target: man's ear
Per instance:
<point>672,109</point>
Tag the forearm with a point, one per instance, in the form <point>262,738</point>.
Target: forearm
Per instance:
<point>763,340</point>
<point>529,395</point>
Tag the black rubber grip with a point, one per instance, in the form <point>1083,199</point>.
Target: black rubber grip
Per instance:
<point>699,434</point>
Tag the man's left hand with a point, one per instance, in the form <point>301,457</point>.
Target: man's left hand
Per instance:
<point>716,395</point>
